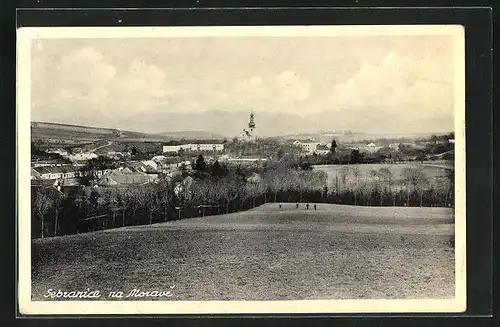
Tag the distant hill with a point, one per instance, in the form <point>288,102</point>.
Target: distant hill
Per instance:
<point>193,135</point>
<point>74,134</point>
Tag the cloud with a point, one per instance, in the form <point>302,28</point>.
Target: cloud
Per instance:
<point>283,88</point>
<point>292,87</point>
<point>395,82</point>
<point>348,86</point>
<point>84,83</point>
<point>252,88</point>
<point>85,68</point>
<point>144,80</point>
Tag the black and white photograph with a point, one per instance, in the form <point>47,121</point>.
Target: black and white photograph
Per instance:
<point>263,169</point>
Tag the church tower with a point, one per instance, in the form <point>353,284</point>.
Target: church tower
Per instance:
<point>249,133</point>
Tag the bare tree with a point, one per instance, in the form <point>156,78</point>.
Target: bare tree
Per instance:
<point>110,195</point>
<point>415,179</point>
<point>43,203</point>
<point>343,173</point>
<point>56,206</point>
<point>356,173</point>
<point>125,199</point>
<point>166,194</point>
<point>140,198</point>
<point>375,181</point>
<point>387,181</point>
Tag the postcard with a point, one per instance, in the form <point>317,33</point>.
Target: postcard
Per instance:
<point>262,169</point>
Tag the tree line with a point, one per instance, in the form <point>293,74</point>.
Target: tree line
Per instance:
<point>216,189</point>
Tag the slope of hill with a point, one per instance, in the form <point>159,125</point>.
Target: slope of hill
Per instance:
<point>76,134</point>
<point>269,253</point>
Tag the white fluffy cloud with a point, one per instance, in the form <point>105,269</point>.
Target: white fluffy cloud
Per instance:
<point>144,80</point>
<point>394,82</point>
<point>84,83</point>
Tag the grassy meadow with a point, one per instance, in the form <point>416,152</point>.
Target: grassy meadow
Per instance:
<point>268,253</point>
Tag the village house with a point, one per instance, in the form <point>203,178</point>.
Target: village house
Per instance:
<point>142,167</point>
<point>55,172</point>
<point>171,148</point>
<point>322,149</point>
<point>82,156</point>
<point>116,154</point>
<point>394,146</point>
<point>159,159</point>
<point>308,146</point>
<point>124,177</point>
<point>61,152</point>
<point>371,147</point>
<point>151,164</point>
<point>45,163</point>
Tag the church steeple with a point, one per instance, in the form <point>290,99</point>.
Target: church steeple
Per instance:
<point>251,123</point>
<point>249,133</point>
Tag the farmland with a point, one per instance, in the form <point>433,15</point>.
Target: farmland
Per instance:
<point>435,172</point>
<point>75,134</point>
<point>268,253</point>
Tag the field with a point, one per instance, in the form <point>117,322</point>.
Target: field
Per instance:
<point>83,134</point>
<point>268,253</point>
<point>435,172</point>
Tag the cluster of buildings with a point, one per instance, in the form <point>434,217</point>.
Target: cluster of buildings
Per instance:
<point>322,148</point>
<point>370,147</point>
<point>74,157</point>
<point>55,172</point>
<point>312,147</point>
<point>68,175</point>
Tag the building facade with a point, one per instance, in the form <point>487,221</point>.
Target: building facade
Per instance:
<point>309,147</point>
<point>198,147</point>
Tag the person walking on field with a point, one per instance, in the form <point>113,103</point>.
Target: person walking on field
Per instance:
<point>307,206</point>
<point>280,205</point>
<point>315,207</point>
<point>297,205</point>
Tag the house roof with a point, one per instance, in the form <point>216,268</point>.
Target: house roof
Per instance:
<point>55,169</point>
<point>120,178</point>
<point>42,182</point>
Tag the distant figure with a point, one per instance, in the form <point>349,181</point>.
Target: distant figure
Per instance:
<point>307,206</point>
<point>315,207</point>
<point>280,205</point>
<point>297,205</point>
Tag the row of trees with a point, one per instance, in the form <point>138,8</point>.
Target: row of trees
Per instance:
<point>215,189</point>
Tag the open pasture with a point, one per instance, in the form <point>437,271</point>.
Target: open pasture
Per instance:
<point>268,253</point>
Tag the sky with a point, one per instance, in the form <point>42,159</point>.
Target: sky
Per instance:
<point>373,84</point>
